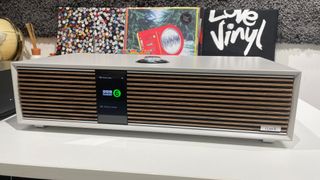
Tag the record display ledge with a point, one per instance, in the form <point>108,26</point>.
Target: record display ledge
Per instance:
<point>68,153</point>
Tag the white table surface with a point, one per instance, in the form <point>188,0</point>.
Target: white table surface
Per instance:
<point>68,153</point>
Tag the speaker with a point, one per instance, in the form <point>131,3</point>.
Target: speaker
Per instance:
<point>245,97</point>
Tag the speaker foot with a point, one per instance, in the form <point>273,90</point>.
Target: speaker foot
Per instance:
<point>39,126</point>
<point>268,141</point>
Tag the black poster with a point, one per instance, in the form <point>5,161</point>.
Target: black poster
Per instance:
<point>240,33</point>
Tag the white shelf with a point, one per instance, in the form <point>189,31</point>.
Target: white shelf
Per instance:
<point>69,153</point>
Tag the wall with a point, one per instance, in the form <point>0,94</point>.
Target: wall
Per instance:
<point>298,19</point>
<point>304,57</point>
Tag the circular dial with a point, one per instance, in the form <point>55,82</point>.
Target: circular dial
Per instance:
<point>171,41</point>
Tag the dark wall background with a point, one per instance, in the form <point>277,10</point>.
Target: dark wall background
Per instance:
<point>299,20</point>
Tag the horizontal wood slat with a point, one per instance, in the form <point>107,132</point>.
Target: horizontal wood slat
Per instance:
<point>217,96</point>
<point>57,102</point>
<point>208,109</point>
<point>214,82</point>
<point>209,113</point>
<point>49,93</point>
<point>57,117</point>
<point>226,101</point>
<point>192,86</point>
<point>200,91</point>
<point>64,98</point>
<point>28,84</point>
<point>211,77</point>
<point>41,89</point>
<point>58,94</point>
<point>42,76</point>
<point>62,81</point>
<point>203,117</point>
<point>209,101</point>
<point>58,110</point>
<point>63,72</point>
<point>207,121</point>
<point>60,113</point>
<point>200,104</point>
<point>60,105</point>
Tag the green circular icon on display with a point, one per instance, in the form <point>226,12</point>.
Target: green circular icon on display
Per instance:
<point>116,93</point>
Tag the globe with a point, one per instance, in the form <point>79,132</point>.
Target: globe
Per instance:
<point>11,41</point>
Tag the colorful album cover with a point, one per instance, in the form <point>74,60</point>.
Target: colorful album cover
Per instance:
<point>75,30</point>
<point>163,31</point>
<point>90,30</point>
<point>239,32</point>
<point>109,29</point>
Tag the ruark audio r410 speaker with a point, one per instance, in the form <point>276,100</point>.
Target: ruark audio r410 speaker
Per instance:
<point>243,97</point>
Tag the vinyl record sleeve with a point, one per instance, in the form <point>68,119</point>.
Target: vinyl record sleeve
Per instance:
<point>75,30</point>
<point>239,32</point>
<point>90,30</point>
<point>163,30</point>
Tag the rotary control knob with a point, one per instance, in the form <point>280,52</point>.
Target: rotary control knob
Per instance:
<point>152,60</point>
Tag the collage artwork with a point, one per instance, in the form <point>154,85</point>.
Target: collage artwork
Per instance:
<point>89,30</point>
<point>167,31</point>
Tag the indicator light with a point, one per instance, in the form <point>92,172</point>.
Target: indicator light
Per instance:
<point>116,93</point>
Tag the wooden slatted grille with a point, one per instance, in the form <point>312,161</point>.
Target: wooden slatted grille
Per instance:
<point>234,102</point>
<point>58,94</point>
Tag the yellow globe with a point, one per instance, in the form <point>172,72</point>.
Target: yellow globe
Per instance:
<point>11,41</point>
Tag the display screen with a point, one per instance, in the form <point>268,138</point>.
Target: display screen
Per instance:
<point>111,96</point>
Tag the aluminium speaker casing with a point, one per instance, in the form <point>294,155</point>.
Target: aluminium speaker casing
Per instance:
<point>240,97</point>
